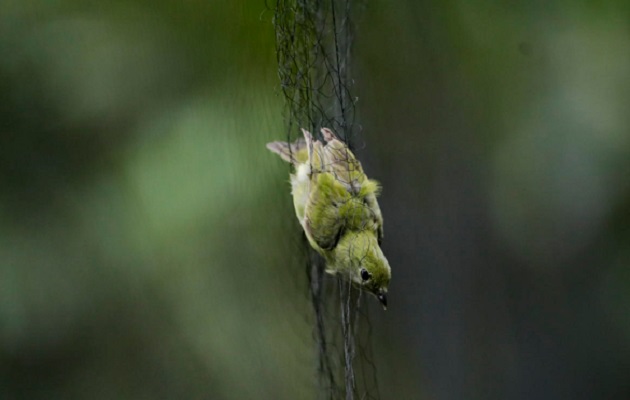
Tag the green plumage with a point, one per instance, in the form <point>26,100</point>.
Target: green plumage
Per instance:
<point>336,205</point>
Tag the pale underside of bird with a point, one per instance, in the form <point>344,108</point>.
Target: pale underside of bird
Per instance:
<point>336,205</point>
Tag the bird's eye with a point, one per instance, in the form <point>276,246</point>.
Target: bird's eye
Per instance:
<point>365,275</point>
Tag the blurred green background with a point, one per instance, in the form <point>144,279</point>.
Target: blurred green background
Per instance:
<point>148,248</point>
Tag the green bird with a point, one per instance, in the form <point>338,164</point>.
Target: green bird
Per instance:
<point>336,205</point>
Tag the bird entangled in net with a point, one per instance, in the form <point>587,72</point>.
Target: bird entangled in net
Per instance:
<point>313,46</point>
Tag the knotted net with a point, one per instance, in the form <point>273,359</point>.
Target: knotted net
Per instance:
<point>314,42</point>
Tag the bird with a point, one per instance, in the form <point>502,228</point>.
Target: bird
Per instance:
<point>336,205</point>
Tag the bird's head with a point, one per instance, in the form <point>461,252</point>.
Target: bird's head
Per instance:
<point>363,261</point>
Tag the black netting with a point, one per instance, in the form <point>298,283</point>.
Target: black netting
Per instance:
<point>314,41</point>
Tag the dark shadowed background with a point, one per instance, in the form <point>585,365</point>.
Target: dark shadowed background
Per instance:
<point>148,247</point>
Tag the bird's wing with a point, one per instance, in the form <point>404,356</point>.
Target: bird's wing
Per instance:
<point>294,153</point>
<point>331,209</point>
<point>339,160</point>
<point>323,221</point>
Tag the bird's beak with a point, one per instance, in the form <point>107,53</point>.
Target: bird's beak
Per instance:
<point>382,297</point>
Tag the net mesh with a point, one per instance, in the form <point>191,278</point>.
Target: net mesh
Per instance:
<point>314,42</point>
